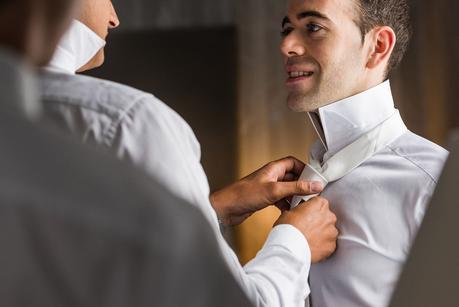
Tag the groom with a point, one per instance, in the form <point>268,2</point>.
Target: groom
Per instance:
<point>338,56</point>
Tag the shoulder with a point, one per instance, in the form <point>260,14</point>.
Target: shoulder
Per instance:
<point>122,105</point>
<point>89,93</point>
<point>420,154</point>
<point>101,95</point>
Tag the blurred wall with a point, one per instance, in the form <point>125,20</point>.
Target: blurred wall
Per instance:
<point>179,68</point>
<point>426,84</point>
<point>268,130</point>
<point>166,14</point>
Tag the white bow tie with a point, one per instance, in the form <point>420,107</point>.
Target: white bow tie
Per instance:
<point>353,155</point>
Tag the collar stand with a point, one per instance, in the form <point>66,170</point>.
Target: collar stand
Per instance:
<point>77,47</point>
<point>344,121</point>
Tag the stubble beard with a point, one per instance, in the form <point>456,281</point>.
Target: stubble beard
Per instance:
<point>326,92</point>
<point>310,100</point>
<point>303,102</point>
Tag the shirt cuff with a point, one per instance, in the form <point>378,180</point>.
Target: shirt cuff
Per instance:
<point>292,239</point>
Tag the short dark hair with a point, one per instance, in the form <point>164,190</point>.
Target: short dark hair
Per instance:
<point>391,13</point>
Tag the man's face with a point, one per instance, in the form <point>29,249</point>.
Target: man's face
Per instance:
<point>324,55</point>
<point>100,16</point>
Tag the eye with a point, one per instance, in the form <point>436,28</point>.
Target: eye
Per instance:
<point>286,31</point>
<point>313,28</point>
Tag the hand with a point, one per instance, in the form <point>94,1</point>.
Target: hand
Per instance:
<point>268,185</point>
<point>317,223</point>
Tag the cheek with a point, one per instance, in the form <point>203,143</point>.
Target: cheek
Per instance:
<point>345,55</point>
<point>99,18</point>
<point>323,53</point>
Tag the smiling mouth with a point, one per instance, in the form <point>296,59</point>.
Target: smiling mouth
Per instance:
<point>299,74</point>
<point>298,77</point>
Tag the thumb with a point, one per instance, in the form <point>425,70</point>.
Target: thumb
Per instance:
<point>287,189</point>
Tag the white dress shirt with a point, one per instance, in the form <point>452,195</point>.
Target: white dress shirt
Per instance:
<point>141,129</point>
<point>79,228</point>
<point>379,205</point>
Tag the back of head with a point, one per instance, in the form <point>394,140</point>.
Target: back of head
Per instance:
<point>32,28</point>
<point>391,13</point>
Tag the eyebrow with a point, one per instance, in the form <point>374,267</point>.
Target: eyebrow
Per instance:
<point>304,15</point>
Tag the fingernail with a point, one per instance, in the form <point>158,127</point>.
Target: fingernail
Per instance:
<point>316,187</point>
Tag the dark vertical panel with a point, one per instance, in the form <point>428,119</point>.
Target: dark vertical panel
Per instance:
<point>451,21</point>
<point>161,14</point>
<point>194,72</point>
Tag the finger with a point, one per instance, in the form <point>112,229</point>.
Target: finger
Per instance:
<point>287,165</point>
<point>290,177</point>
<point>321,202</point>
<point>281,190</point>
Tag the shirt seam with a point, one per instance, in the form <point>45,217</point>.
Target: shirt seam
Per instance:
<point>73,102</point>
<point>110,133</point>
<point>117,118</point>
<point>414,163</point>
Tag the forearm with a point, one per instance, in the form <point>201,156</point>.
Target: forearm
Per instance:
<point>229,205</point>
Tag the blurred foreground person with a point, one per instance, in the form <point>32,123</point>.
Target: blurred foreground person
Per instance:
<point>142,130</point>
<point>435,284</point>
<point>76,228</point>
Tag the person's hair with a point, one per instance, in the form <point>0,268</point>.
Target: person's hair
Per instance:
<point>392,13</point>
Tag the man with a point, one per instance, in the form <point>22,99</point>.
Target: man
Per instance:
<point>140,129</point>
<point>76,227</point>
<point>338,55</point>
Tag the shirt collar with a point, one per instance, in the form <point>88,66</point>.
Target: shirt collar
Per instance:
<point>341,123</point>
<point>76,48</point>
<point>18,88</point>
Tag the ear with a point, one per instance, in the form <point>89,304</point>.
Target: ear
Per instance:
<point>383,41</point>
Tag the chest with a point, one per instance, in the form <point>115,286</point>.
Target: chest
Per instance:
<point>376,209</point>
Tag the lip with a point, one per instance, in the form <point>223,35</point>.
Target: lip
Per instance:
<point>291,81</point>
<point>291,68</point>
<point>298,80</point>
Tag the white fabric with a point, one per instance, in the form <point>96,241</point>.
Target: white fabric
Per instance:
<point>139,128</point>
<point>76,48</point>
<point>353,155</point>
<point>379,204</point>
<point>340,124</point>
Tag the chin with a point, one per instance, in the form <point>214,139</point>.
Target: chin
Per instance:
<point>99,59</point>
<point>299,103</point>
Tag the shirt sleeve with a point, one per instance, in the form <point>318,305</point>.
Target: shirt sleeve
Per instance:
<point>282,268</point>
<point>158,141</point>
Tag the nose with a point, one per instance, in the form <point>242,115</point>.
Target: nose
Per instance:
<point>292,45</point>
<point>114,20</point>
